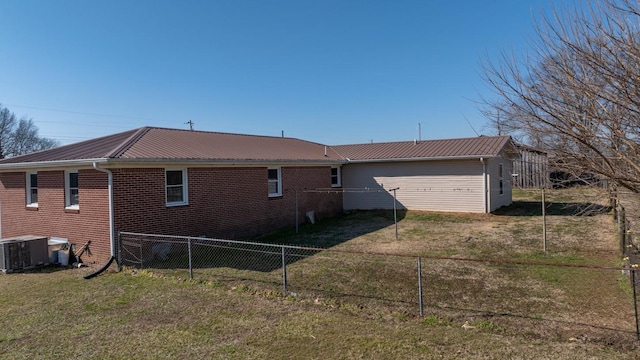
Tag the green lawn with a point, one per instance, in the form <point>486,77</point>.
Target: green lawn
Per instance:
<point>343,305</point>
<point>134,315</point>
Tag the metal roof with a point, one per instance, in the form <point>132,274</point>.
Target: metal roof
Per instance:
<point>161,144</point>
<point>94,148</point>
<point>481,146</point>
<point>153,144</point>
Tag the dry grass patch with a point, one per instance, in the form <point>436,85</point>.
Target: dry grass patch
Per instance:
<point>343,304</point>
<point>541,301</point>
<point>142,315</point>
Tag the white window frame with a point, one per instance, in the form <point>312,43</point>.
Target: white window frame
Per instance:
<point>338,176</point>
<point>29,187</point>
<point>278,182</point>
<point>185,188</point>
<point>67,190</point>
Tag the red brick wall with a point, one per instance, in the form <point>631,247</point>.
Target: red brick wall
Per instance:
<point>223,202</point>
<point>90,222</point>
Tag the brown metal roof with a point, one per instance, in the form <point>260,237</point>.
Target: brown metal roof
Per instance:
<point>482,146</point>
<point>151,143</point>
<point>97,148</point>
<point>161,144</point>
<point>157,143</point>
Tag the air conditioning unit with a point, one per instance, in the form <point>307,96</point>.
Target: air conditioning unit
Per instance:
<point>23,252</point>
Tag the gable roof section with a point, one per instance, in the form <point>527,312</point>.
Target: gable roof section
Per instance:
<point>162,145</point>
<point>91,149</point>
<point>201,145</point>
<point>151,144</point>
<point>466,148</point>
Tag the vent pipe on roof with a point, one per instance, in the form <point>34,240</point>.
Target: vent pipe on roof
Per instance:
<point>415,142</point>
<point>325,150</point>
<point>419,132</point>
<point>282,133</point>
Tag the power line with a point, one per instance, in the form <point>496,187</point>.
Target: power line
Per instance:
<point>86,113</point>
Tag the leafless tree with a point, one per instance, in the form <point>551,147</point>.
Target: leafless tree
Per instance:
<point>19,137</point>
<point>7,123</point>
<point>576,93</point>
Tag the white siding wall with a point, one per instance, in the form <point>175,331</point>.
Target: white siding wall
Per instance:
<point>433,185</point>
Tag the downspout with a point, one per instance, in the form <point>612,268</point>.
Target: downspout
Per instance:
<point>484,185</point>
<point>110,188</point>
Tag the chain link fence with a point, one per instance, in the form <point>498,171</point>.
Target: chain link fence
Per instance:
<point>630,251</point>
<point>510,293</point>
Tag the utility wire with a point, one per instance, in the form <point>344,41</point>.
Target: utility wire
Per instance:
<point>87,113</point>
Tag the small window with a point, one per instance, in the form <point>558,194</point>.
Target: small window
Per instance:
<point>501,177</point>
<point>176,187</point>
<point>72,199</point>
<point>335,177</point>
<point>32,189</point>
<point>275,182</point>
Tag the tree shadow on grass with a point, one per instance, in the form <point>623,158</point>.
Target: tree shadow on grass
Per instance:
<point>534,208</point>
<point>334,231</point>
<point>263,254</point>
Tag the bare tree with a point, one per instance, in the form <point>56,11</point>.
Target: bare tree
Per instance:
<point>19,137</point>
<point>577,92</point>
<point>7,123</point>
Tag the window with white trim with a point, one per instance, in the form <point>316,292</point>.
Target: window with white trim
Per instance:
<point>176,187</point>
<point>501,178</point>
<point>335,177</point>
<point>32,189</point>
<point>274,176</point>
<point>71,194</point>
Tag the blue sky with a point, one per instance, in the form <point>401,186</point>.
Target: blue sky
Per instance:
<point>333,72</point>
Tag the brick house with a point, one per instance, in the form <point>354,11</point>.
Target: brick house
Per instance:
<point>194,183</point>
<point>166,181</point>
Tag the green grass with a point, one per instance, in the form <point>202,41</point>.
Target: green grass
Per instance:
<point>436,217</point>
<point>342,304</point>
<point>140,315</point>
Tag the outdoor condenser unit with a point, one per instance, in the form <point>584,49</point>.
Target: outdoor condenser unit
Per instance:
<point>23,252</point>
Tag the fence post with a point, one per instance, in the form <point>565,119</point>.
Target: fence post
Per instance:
<point>622,229</point>
<point>284,272</point>
<point>395,212</point>
<point>119,247</point>
<point>141,253</point>
<point>420,286</point>
<point>544,222</point>
<point>190,261</point>
<point>635,301</point>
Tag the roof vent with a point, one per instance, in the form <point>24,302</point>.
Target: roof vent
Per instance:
<point>415,142</point>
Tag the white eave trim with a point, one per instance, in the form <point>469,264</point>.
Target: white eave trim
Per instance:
<point>41,165</point>
<point>107,163</point>
<point>436,158</point>
<point>128,163</point>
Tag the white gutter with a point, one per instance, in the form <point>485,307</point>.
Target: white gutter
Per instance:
<point>147,162</point>
<point>50,164</point>
<point>466,157</point>
<point>223,162</point>
<point>111,225</point>
<point>484,185</point>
